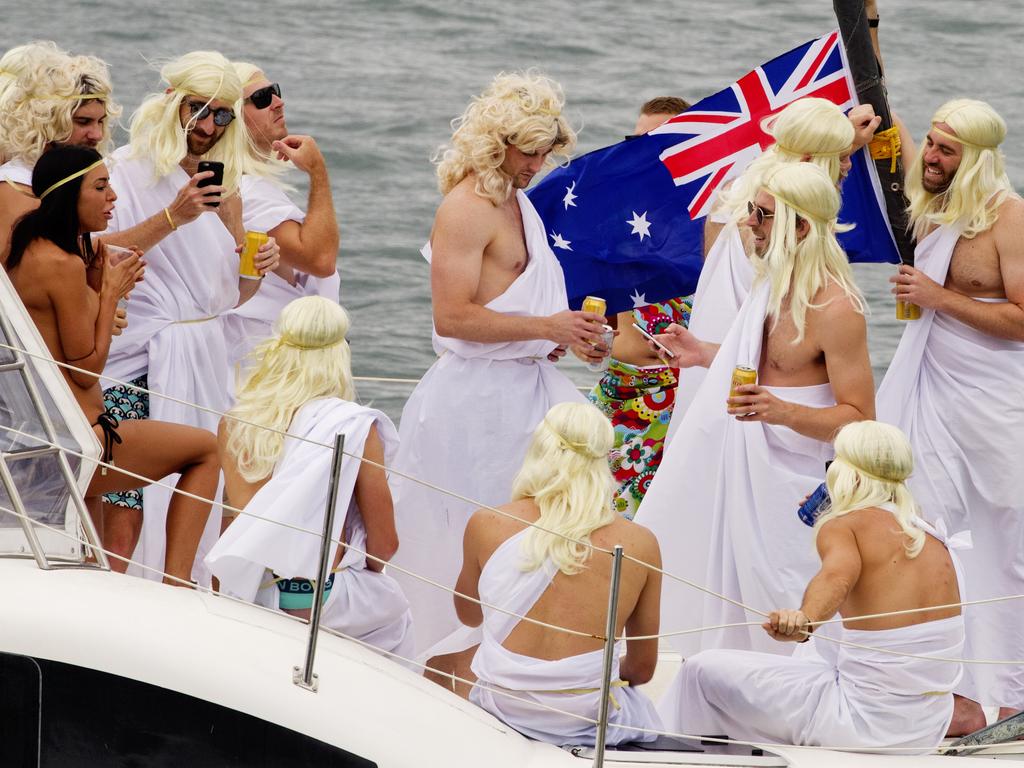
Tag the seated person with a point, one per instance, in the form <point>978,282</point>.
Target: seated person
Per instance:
<point>877,556</point>
<point>565,487</point>
<point>301,383</point>
<point>72,294</point>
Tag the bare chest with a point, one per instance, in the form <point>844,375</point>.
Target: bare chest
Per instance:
<point>786,362</point>
<point>505,257</point>
<point>974,268</point>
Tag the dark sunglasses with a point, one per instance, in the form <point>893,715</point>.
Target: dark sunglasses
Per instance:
<point>262,97</point>
<point>760,213</point>
<point>221,116</point>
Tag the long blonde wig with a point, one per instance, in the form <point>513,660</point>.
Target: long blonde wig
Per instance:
<point>257,163</point>
<point>521,109</point>
<point>808,127</point>
<point>307,358</point>
<point>980,184</point>
<point>156,129</point>
<point>41,88</point>
<point>567,476</point>
<point>873,461</point>
<point>797,269</point>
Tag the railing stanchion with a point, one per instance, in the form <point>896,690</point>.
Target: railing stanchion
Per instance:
<point>609,657</point>
<point>304,678</point>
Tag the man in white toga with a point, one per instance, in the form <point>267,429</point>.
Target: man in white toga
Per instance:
<point>954,384</point>
<point>501,320</point>
<point>723,504</point>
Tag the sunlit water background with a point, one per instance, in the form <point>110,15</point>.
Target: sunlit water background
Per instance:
<point>377,82</point>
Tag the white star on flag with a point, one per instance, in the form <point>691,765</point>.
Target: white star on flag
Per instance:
<point>560,242</point>
<point>639,299</point>
<point>569,196</point>
<point>641,226</point>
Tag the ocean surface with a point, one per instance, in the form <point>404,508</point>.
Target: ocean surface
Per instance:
<point>377,83</point>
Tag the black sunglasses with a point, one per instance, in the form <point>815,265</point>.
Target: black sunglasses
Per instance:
<point>760,213</point>
<point>262,97</point>
<point>221,116</point>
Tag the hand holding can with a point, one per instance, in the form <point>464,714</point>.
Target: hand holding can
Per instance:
<point>247,259</point>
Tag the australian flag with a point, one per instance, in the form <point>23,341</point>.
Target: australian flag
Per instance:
<point>626,221</point>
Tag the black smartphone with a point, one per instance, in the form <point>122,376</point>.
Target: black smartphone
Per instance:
<point>216,180</point>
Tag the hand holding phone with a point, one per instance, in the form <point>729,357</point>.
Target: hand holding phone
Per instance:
<point>650,338</point>
<point>212,181</point>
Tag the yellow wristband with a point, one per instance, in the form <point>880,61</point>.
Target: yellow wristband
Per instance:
<point>170,221</point>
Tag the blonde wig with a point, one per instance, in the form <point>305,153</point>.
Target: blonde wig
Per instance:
<point>566,474</point>
<point>156,129</point>
<point>798,269</point>
<point>873,461</point>
<point>521,109</point>
<point>979,185</point>
<point>257,162</point>
<point>41,88</point>
<point>307,358</point>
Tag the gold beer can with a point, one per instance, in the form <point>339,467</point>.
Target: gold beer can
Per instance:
<point>595,304</point>
<point>741,375</point>
<point>907,311</point>
<point>247,261</point>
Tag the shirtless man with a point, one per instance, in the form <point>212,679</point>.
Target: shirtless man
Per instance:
<point>72,296</point>
<point>741,468</point>
<point>501,319</point>
<point>954,382</point>
<point>857,698</point>
<point>505,559</point>
<point>46,96</point>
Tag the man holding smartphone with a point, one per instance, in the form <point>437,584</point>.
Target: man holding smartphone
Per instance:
<point>171,345</point>
<point>308,240</point>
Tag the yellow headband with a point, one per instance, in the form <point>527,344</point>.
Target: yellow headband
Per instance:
<point>965,142</point>
<point>286,343</point>
<point>812,154</point>
<point>72,177</point>
<point>569,445</point>
<point>254,79</point>
<point>864,472</point>
<point>83,96</point>
<point>800,211</point>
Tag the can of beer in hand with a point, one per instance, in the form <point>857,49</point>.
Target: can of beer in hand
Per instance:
<point>907,311</point>
<point>595,304</point>
<point>247,262</point>
<point>741,375</point>
<point>607,336</point>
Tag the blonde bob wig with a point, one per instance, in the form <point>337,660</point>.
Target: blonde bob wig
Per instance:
<point>809,130</point>
<point>796,268</point>
<point>521,109</point>
<point>156,129</point>
<point>39,89</point>
<point>873,461</point>
<point>979,185</point>
<point>566,474</point>
<point>307,358</point>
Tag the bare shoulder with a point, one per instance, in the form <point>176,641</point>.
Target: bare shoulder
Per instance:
<point>508,520</point>
<point>1010,224</point>
<point>637,540</point>
<point>463,201</point>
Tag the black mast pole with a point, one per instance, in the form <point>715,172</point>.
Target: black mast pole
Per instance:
<point>870,85</point>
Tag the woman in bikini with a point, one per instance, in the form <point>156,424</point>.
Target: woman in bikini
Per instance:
<point>71,291</point>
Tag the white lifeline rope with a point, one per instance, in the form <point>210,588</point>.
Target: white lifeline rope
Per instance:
<point>476,683</point>
<point>393,380</point>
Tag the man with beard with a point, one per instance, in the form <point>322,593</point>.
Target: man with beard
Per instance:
<point>46,97</point>
<point>308,240</point>
<point>189,234</point>
<point>955,381</point>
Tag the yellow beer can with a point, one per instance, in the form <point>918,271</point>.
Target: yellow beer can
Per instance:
<point>907,311</point>
<point>595,304</point>
<point>247,262</point>
<point>741,375</point>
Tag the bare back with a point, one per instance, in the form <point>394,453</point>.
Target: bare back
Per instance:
<point>46,271</point>
<point>891,581</point>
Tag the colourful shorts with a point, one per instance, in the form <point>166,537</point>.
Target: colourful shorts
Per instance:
<point>124,402</point>
<point>297,594</point>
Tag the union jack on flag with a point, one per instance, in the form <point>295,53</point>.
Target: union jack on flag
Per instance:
<point>725,130</point>
<point>626,221</point>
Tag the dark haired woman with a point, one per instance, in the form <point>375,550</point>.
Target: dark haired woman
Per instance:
<point>72,294</point>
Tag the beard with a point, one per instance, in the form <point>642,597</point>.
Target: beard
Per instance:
<point>935,185</point>
<point>200,145</point>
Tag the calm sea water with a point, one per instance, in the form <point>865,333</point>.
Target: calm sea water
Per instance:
<point>377,82</point>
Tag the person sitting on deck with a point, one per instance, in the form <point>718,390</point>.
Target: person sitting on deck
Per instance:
<point>71,294</point>
<point>877,682</point>
<point>551,573</point>
<point>301,383</point>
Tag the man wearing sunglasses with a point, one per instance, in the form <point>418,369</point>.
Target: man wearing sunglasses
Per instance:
<point>173,343</point>
<point>308,240</point>
<point>743,461</point>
